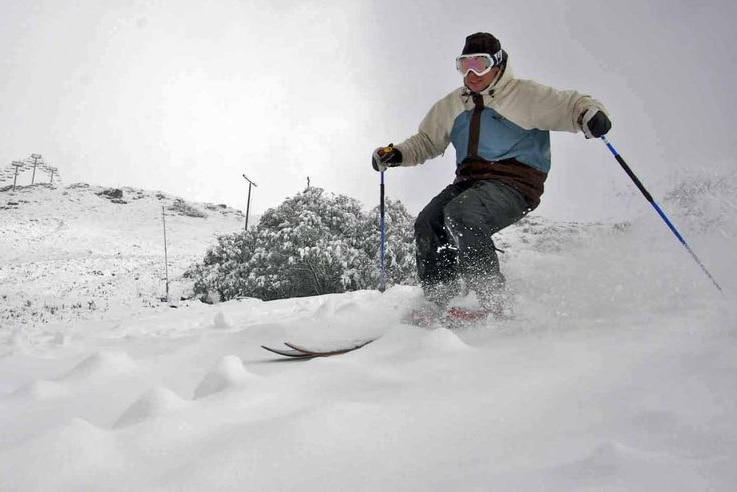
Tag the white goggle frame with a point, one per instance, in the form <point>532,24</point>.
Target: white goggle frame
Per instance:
<point>493,61</point>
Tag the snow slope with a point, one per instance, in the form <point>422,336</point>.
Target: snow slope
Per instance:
<point>69,253</point>
<point>617,373</point>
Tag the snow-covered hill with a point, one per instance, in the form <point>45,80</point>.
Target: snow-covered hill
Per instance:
<point>80,252</point>
<point>616,373</point>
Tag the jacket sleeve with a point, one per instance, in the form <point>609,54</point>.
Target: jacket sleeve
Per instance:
<point>433,134</point>
<point>533,105</point>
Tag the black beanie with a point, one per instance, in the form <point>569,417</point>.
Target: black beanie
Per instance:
<point>481,42</point>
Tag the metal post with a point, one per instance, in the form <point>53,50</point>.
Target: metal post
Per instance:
<point>248,201</point>
<point>36,158</point>
<point>18,165</point>
<point>248,205</point>
<point>166,254</point>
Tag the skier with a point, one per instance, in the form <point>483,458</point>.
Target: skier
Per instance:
<point>499,126</point>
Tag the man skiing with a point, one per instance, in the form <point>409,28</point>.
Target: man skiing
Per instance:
<point>500,128</point>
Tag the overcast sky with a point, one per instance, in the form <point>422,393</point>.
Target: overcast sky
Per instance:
<point>184,96</point>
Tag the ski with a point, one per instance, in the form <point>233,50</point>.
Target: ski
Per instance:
<point>327,353</point>
<point>300,352</point>
<point>295,354</point>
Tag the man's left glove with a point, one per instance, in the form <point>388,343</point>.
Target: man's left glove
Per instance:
<point>385,157</point>
<point>595,123</point>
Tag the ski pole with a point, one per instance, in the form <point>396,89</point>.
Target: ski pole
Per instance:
<point>650,199</point>
<point>382,265</point>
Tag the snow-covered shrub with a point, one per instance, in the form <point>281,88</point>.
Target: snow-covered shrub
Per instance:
<point>222,274</point>
<point>111,193</point>
<point>314,243</point>
<point>183,208</point>
<point>399,256</point>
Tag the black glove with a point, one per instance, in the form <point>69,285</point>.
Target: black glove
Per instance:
<point>385,157</point>
<point>595,123</point>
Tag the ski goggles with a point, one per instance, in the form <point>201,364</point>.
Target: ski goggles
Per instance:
<point>478,63</point>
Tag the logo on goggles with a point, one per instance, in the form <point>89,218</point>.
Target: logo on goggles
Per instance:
<point>478,63</point>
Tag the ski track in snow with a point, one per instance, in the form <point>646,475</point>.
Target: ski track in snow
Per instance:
<point>616,373</point>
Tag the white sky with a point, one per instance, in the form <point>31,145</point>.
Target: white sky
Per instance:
<point>185,96</point>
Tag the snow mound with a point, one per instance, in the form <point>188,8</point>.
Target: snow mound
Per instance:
<point>228,373</point>
<point>101,365</point>
<point>352,308</point>
<point>419,341</point>
<point>220,322</point>
<point>75,452</point>
<point>41,390</point>
<point>614,461</point>
<point>158,402</point>
<point>614,455</point>
<point>442,339</point>
<point>326,308</point>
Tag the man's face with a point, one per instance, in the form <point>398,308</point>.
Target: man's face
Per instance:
<point>477,83</point>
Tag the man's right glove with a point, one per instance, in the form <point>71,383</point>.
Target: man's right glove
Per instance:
<point>595,123</point>
<point>385,157</point>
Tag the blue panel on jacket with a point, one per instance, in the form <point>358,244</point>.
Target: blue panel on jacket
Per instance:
<point>501,139</point>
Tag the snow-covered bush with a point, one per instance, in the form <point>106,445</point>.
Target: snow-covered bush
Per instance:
<point>111,193</point>
<point>222,275</point>
<point>314,243</point>
<point>399,243</point>
<point>183,208</point>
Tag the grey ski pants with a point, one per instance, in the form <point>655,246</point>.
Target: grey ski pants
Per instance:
<point>453,238</point>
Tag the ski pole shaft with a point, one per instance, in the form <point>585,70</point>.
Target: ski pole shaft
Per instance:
<point>657,208</point>
<point>382,277</point>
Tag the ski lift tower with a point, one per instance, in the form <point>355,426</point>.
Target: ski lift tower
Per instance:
<point>37,159</point>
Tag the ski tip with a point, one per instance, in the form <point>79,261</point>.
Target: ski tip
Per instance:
<point>326,353</point>
<point>296,354</point>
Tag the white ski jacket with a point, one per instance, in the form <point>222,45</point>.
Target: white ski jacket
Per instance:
<point>528,105</point>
